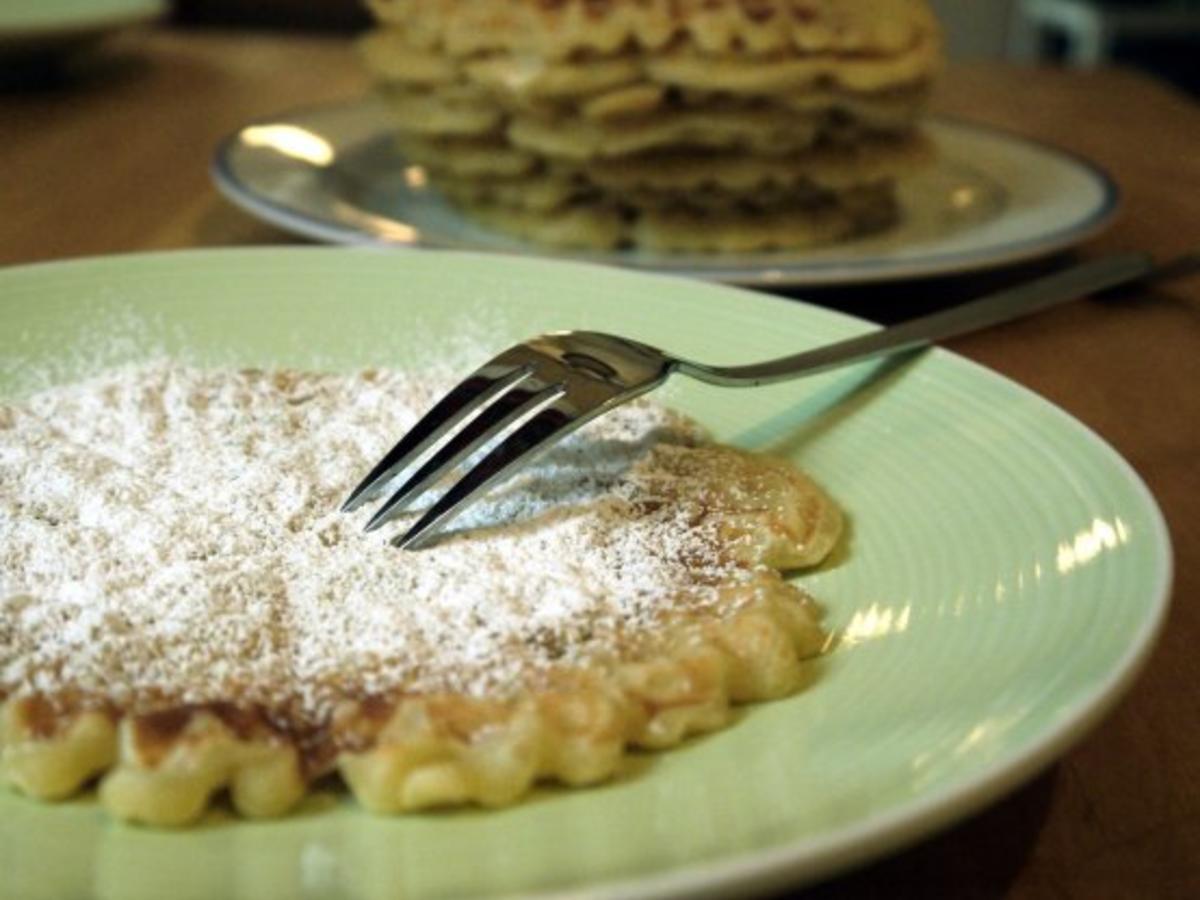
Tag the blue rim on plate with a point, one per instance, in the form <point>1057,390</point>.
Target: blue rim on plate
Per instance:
<point>342,183</point>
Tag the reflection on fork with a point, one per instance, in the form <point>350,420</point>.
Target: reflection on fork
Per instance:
<point>543,389</point>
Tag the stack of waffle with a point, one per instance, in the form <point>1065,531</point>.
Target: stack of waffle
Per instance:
<point>673,125</point>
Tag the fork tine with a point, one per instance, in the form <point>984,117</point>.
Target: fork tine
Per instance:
<point>508,409</point>
<point>470,394</point>
<point>544,429</point>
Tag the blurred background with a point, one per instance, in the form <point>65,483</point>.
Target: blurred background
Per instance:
<point>110,152</point>
<point>1156,35</point>
<point>1161,36</point>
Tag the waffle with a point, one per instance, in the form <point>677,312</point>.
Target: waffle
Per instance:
<point>674,227</point>
<point>177,635</point>
<point>556,30</point>
<point>632,83</point>
<point>715,201</point>
<point>607,125</point>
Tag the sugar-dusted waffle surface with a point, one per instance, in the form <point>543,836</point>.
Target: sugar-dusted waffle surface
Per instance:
<point>185,614</point>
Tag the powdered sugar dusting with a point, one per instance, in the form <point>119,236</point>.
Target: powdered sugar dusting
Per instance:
<point>170,534</point>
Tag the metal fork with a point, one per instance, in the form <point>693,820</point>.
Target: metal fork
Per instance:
<point>555,383</point>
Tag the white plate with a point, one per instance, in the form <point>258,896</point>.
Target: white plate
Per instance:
<point>333,173</point>
<point>37,26</point>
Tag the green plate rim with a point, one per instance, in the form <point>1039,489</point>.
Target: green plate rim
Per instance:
<point>810,859</point>
<point>89,18</point>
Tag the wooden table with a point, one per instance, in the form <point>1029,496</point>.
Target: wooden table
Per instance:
<point>116,158</point>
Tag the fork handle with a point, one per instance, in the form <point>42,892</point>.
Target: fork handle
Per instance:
<point>1012,303</point>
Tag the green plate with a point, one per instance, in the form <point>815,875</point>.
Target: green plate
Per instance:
<point>1005,576</point>
<point>35,26</point>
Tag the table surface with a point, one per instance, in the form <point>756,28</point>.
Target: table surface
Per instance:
<point>114,158</point>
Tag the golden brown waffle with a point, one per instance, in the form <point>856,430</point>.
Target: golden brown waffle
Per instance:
<point>149,716</point>
<point>557,29</point>
<point>687,229</point>
<point>518,82</point>
<point>609,124</point>
<point>410,752</point>
<point>685,171</point>
<point>491,165</point>
<point>675,201</point>
<point>757,128</point>
<point>837,167</point>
